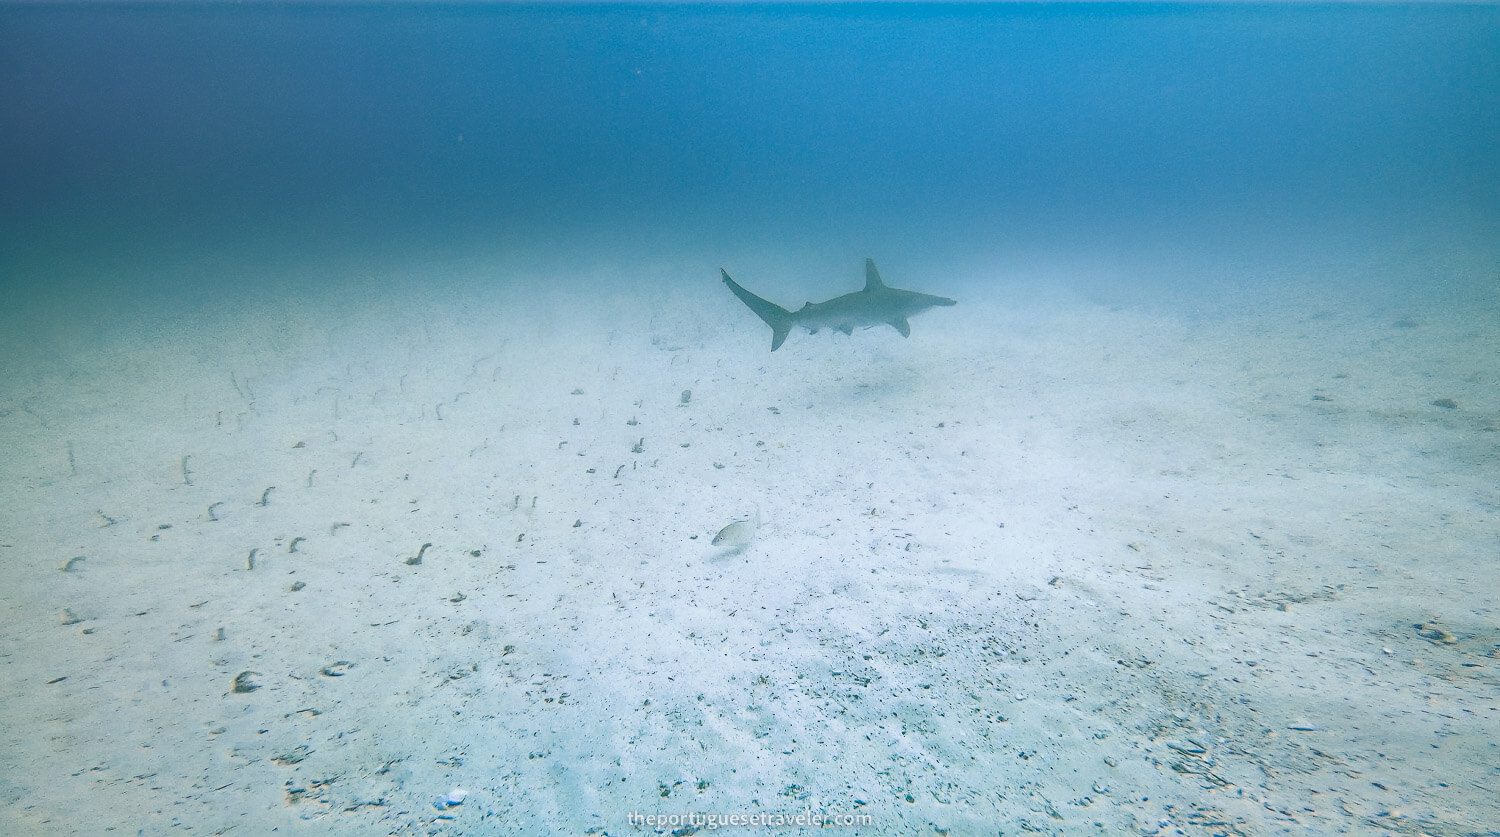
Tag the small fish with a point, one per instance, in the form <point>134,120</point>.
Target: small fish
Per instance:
<point>738,534</point>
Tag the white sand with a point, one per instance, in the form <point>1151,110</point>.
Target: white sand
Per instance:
<point>1045,566</point>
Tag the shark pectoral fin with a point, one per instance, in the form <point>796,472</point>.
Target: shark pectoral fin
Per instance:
<point>901,325</point>
<point>778,336</point>
<point>846,329</point>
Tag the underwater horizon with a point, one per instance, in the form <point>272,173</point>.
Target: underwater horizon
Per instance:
<point>140,138</point>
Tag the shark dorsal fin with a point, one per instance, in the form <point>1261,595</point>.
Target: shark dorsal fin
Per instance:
<point>872,276</point>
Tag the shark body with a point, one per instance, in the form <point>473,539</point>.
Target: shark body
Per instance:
<point>877,304</point>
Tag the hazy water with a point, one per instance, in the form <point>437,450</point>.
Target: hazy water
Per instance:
<point>139,137</point>
<point>158,157</point>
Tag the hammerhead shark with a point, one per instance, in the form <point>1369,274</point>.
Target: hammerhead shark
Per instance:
<point>877,304</point>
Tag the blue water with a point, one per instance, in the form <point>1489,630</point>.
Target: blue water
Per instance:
<point>1181,520</point>
<point>138,137</point>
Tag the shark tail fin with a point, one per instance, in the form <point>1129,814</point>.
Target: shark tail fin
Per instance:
<point>872,276</point>
<point>778,318</point>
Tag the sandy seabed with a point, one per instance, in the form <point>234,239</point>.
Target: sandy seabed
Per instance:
<point>310,564</point>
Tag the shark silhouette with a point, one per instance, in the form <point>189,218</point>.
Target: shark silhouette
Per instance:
<point>877,304</point>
